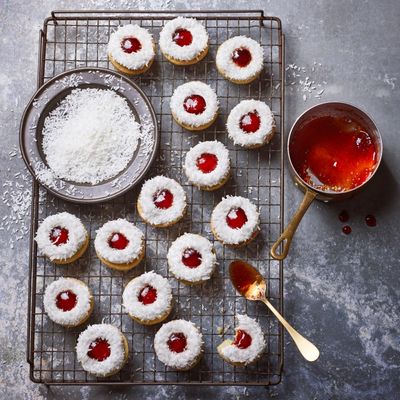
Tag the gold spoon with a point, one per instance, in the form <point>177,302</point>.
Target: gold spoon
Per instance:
<point>250,284</point>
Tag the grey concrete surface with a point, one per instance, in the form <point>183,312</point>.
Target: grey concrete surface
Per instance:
<point>342,291</point>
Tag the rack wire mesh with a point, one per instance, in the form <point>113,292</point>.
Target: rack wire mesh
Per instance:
<point>71,39</point>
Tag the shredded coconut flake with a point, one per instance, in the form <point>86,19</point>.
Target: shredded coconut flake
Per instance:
<point>90,137</point>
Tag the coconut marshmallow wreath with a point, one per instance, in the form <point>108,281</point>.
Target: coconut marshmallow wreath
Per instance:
<point>119,244</point>
<point>102,350</point>
<point>194,105</point>
<point>235,221</point>
<point>178,344</point>
<point>191,258</point>
<point>161,202</point>
<point>62,238</point>
<point>207,165</point>
<point>251,124</point>
<point>240,59</point>
<point>184,41</point>
<point>68,302</point>
<point>148,298</point>
<point>131,49</point>
<point>247,345</point>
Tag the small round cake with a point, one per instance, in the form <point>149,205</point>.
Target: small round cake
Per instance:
<point>178,344</point>
<point>68,302</point>
<point>235,221</point>
<point>184,41</point>
<point>207,165</point>
<point>251,124</point>
<point>119,244</point>
<point>62,238</point>
<point>191,258</point>
<point>161,202</point>
<point>194,105</point>
<point>240,59</point>
<point>102,350</point>
<point>148,298</point>
<point>247,345</point>
<point>131,49</point>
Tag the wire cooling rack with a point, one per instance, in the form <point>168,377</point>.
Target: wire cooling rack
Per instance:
<point>70,39</point>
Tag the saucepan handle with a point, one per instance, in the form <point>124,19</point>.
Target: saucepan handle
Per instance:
<point>288,233</point>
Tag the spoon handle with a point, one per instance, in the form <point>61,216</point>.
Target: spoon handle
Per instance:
<point>306,348</point>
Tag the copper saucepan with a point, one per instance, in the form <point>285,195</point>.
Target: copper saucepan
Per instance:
<point>311,193</point>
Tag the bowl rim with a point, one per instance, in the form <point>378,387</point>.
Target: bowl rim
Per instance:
<point>24,130</point>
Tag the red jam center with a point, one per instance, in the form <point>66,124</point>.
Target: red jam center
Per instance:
<point>59,235</point>
<point>333,153</point>
<point>194,104</point>
<point>118,241</point>
<point>250,122</point>
<point>177,342</point>
<point>236,218</point>
<point>130,45</point>
<point>99,349</point>
<point>207,162</point>
<point>66,300</point>
<point>148,295</point>
<point>182,37</point>
<point>163,199</point>
<point>191,258</point>
<point>241,57</point>
<point>242,339</point>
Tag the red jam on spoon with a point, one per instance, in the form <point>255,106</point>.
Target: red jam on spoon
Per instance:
<point>118,241</point>
<point>99,349</point>
<point>59,235</point>
<point>182,37</point>
<point>163,199</point>
<point>236,218</point>
<point>191,258</point>
<point>177,342</point>
<point>242,339</point>
<point>66,300</point>
<point>148,295</point>
<point>241,57</point>
<point>250,122</point>
<point>130,45</point>
<point>194,104</point>
<point>207,162</point>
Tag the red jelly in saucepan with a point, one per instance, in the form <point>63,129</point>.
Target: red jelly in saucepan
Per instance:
<point>333,153</point>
